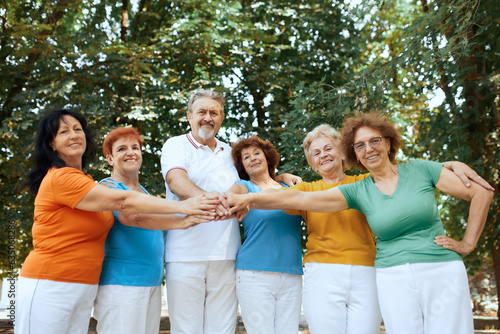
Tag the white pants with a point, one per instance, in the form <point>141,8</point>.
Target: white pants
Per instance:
<point>340,298</point>
<point>430,298</point>
<point>50,307</point>
<point>269,301</point>
<point>128,309</point>
<point>201,297</point>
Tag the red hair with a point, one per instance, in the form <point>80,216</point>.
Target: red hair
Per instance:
<point>119,133</point>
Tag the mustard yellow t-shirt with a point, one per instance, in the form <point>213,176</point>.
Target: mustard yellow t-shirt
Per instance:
<point>341,237</point>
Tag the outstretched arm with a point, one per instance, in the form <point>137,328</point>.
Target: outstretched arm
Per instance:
<point>479,199</point>
<point>162,222</point>
<point>101,198</point>
<point>331,200</point>
<point>467,174</point>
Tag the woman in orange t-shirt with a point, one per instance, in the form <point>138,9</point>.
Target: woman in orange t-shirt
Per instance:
<point>59,278</point>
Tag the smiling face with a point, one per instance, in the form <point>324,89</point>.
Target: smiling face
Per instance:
<point>372,157</point>
<point>326,158</point>
<point>69,142</point>
<point>126,156</point>
<point>254,161</point>
<point>205,118</point>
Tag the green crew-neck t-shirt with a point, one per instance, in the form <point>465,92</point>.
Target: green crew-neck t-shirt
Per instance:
<point>407,221</point>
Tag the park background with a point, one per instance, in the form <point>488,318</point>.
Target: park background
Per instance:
<point>284,67</point>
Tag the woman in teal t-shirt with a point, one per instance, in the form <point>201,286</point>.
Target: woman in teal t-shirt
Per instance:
<point>421,280</point>
<point>269,262</point>
<point>129,295</point>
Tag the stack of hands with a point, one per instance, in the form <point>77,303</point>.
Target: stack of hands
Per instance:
<point>202,210</point>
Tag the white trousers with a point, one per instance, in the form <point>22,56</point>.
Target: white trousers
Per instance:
<point>269,301</point>
<point>50,307</point>
<point>430,298</point>
<point>201,297</point>
<point>340,298</point>
<point>128,309</point>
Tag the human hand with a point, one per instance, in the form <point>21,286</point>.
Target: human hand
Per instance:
<point>290,179</point>
<point>239,204</point>
<point>193,220</point>
<point>201,205</point>
<point>461,247</point>
<point>242,213</point>
<point>467,174</point>
<point>223,206</point>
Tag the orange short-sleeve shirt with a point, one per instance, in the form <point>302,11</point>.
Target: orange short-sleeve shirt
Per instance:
<point>68,243</point>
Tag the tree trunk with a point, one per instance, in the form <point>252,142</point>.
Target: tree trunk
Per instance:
<point>495,256</point>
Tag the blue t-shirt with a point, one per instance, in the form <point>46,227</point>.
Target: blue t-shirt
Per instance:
<point>133,255</point>
<point>272,240</point>
<point>407,221</point>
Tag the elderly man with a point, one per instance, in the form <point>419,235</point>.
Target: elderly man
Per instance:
<point>200,261</point>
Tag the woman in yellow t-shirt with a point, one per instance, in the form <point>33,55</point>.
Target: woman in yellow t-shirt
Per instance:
<point>60,276</point>
<point>339,292</point>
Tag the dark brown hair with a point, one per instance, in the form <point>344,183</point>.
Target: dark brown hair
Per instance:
<point>44,156</point>
<point>272,155</point>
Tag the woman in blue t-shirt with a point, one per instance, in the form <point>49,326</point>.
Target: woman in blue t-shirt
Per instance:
<point>422,283</point>
<point>129,294</point>
<point>269,262</point>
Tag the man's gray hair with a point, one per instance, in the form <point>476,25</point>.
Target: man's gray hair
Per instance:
<point>206,93</point>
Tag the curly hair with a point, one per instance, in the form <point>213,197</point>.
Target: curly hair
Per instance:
<point>272,155</point>
<point>323,130</point>
<point>372,120</point>
<point>119,133</point>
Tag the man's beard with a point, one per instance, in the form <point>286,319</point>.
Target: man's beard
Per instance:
<point>205,133</point>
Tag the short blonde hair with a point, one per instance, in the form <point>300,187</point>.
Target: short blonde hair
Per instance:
<point>323,130</point>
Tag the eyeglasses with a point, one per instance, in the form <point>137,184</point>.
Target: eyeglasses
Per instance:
<point>361,146</point>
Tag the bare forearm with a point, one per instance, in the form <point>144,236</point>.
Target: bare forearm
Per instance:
<point>153,222</point>
<point>185,189</point>
<point>273,199</point>
<point>478,214</point>
<point>320,201</point>
<point>139,203</point>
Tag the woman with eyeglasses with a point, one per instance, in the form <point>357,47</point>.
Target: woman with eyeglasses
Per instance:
<point>421,281</point>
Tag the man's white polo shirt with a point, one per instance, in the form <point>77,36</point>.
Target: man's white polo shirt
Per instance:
<point>210,171</point>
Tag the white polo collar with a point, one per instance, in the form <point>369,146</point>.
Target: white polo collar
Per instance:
<point>197,145</point>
